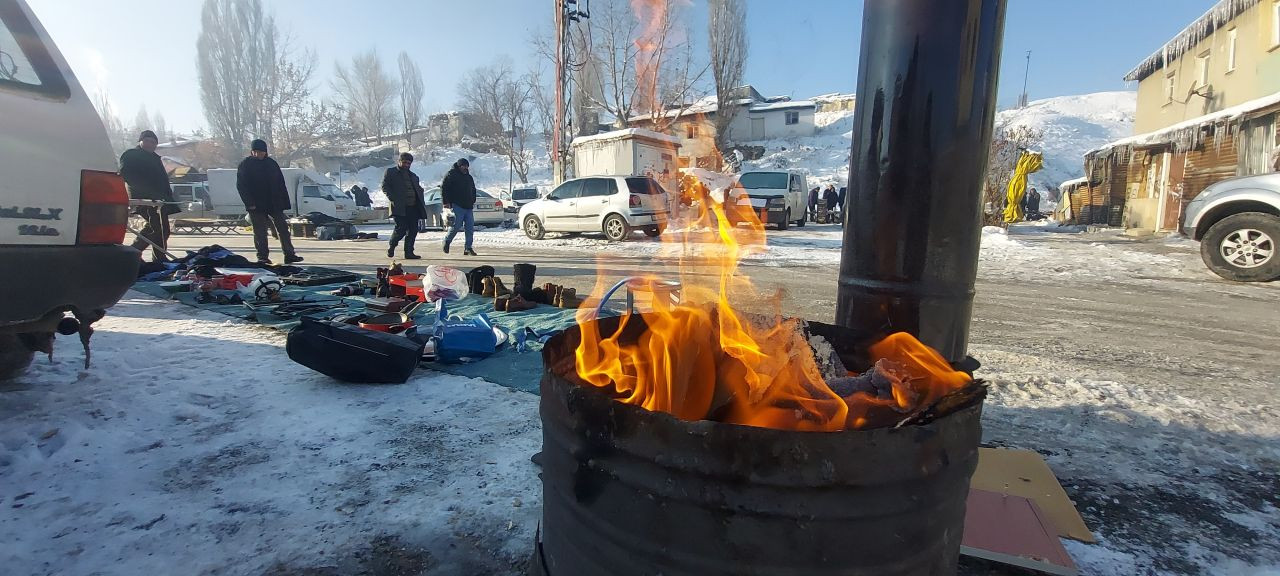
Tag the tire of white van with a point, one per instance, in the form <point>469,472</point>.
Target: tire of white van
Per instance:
<point>14,356</point>
<point>785,221</point>
<point>533,227</point>
<point>615,228</point>
<point>1243,247</point>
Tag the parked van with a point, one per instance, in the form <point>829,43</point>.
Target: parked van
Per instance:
<point>63,207</point>
<point>308,192</point>
<point>777,197</point>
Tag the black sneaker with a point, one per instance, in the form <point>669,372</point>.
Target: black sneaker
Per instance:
<point>412,256</point>
<point>265,262</point>
<point>292,259</point>
<point>446,248</point>
<point>469,253</point>
<point>391,252</point>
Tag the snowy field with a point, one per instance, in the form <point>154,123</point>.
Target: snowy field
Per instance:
<point>194,446</point>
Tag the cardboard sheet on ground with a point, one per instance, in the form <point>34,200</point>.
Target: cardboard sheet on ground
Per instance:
<point>1024,473</point>
<point>516,370</point>
<point>1013,530</point>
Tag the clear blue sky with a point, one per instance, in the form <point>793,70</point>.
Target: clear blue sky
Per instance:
<point>142,52</point>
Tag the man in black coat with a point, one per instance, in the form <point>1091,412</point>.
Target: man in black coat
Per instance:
<point>458,193</point>
<point>405,193</point>
<point>266,197</point>
<point>146,179</point>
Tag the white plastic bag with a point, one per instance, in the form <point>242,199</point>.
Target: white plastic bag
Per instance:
<point>445,283</point>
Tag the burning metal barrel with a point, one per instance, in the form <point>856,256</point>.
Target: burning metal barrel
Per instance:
<point>628,491</point>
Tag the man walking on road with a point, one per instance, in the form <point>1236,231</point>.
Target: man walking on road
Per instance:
<point>404,192</point>
<point>459,194</point>
<point>262,188</point>
<point>146,179</point>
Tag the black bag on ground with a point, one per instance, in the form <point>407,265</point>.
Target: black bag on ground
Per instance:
<point>475,276</point>
<point>351,353</point>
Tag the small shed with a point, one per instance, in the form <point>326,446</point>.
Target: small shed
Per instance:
<point>629,152</point>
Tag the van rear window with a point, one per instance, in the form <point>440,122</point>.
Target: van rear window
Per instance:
<point>644,186</point>
<point>25,62</point>
<point>759,180</point>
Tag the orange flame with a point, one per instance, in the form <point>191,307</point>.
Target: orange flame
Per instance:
<point>707,358</point>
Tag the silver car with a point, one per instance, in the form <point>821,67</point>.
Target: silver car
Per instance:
<point>1237,222</point>
<point>488,211</point>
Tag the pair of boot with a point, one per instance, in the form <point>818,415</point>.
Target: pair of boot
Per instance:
<point>562,296</point>
<point>408,255</point>
<point>513,303</point>
<point>493,287</point>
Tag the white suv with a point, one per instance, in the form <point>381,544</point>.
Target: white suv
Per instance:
<point>614,205</point>
<point>63,207</point>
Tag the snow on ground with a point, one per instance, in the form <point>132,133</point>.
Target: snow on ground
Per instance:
<point>1072,125</point>
<point>195,446</point>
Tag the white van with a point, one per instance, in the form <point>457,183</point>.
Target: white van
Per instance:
<point>776,196</point>
<point>63,207</point>
<point>308,192</point>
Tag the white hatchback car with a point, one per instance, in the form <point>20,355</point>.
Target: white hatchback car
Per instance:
<point>63,207</point>
<point>614,205</point>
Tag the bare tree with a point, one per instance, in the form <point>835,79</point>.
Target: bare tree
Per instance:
<point>116,131</point>
<point>543,104</point>
<point>235,57</point>
<point>161,127</point>
<point>410,95</point>
<point>142,121</point>
<point>368,92</point>
<point>727,40</point>
<point>1007,145</point>
<point>504,105</point>
<point>640,62</point>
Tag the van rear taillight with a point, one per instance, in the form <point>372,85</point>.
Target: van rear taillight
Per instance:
<point>104,208</point>
<point>634,202</point>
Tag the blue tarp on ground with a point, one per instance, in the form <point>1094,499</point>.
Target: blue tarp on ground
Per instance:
<point>517,370</point>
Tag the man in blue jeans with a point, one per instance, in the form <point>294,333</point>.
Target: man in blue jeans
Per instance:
<point>458,193</point>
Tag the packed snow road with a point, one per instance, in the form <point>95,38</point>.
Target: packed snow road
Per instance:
<point>194,446</point>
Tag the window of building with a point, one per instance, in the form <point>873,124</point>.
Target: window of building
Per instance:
<point>793,118</point>
<point>1231,50</point>
<point>1170,86</point>
<point>690,131</point>
<point>1275,23</point>
<point>1202,70</point>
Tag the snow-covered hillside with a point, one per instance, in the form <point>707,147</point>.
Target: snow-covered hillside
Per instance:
<point>1072,125</point>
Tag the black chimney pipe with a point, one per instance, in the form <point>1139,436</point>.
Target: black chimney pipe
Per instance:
<point>926,101</point>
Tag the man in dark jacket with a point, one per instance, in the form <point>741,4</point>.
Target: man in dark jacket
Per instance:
<point>813,204</point>
<point>146,179</point>
<point>1031,203</point>
<point>404,192</point>
<point>458,193</point>
<point>266,197</point>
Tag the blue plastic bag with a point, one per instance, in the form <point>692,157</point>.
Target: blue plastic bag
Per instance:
<point>460,340</point>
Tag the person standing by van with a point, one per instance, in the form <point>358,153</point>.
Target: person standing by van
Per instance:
<point>261,186</point>
<point>458,191</point>
<point>146,179</point>
<point>404,192</point>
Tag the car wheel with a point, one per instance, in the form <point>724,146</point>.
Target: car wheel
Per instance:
<point>1242,247</point>
<point>800,222</point>
<point>533,227</point>
<point>615,228</point>
<point>653,231</point>
<point>14,356</point>
<point>785,220</point>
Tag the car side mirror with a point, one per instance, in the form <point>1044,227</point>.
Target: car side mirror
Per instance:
<point>329,198</point>
<point>552,197</point>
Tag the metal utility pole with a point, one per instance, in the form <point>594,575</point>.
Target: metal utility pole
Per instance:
<point>1022,100</point>
<point>567,12</point>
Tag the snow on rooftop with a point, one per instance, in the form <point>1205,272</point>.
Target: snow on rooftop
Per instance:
<point>1170,133</point>
<point>783,105</point>
<point>1221,13</point>
<point>627,133</point>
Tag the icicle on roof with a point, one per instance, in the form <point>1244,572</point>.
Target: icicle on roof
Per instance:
<point>1202,28</point>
